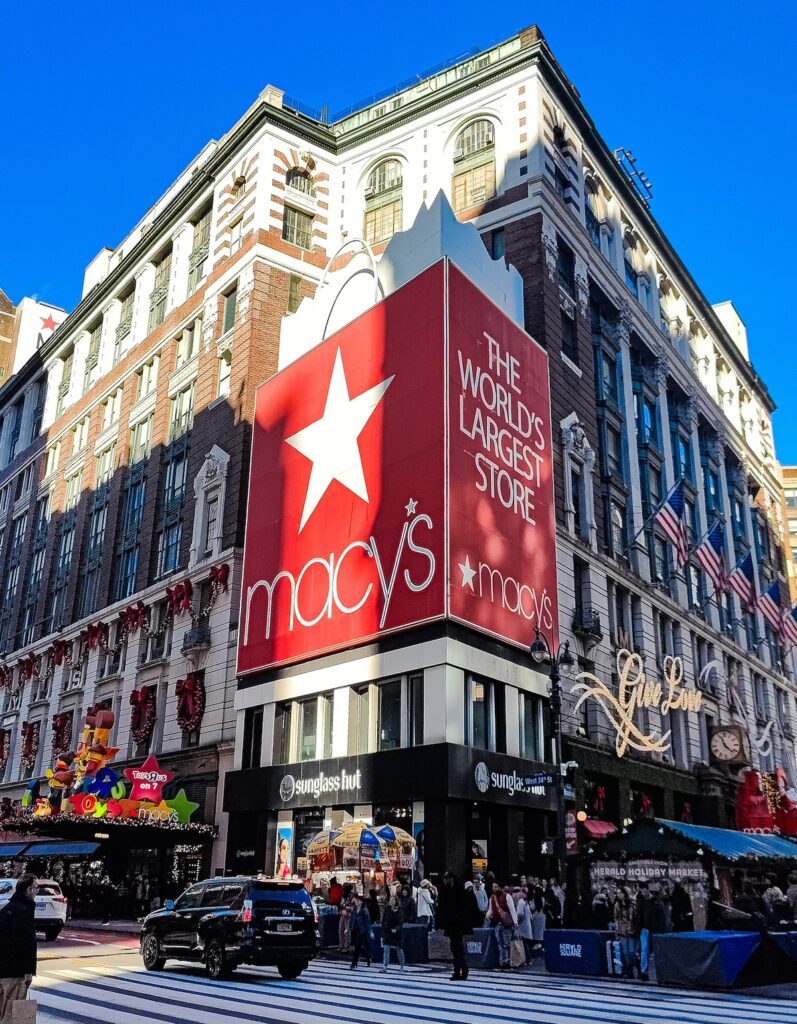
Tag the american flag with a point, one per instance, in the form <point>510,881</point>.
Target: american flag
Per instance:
<point>741,580</point>
<point>769,606</point>
<point>790,625</point>
<point>710,554</point>
<point>671,519</point>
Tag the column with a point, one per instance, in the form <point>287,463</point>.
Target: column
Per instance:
<point>638,558</point>
<point>181,252</point>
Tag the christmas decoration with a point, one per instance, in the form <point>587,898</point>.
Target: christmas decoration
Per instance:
<point>62,732</point>
<point>5,747</point>
<point>219,575</point>
<point>190,694</point>
<point>28,667</point>
<point>133,618</point>
<point>93,635</point>
<point>142,721</point>
<point>178,598</point>
<point>30,745</point>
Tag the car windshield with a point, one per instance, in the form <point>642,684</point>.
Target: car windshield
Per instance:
<point>48,889</point>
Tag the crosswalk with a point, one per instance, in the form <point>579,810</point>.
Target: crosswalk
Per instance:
<point>90,991</point>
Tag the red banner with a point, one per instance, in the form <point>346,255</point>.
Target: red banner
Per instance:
<point>347,500</point>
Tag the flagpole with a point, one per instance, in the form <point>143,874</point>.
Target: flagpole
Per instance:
<point>651,517</point>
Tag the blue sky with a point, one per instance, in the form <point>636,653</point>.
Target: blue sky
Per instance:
<point>104,104</point>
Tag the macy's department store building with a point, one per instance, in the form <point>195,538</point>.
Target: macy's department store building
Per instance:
<point>400,547</point>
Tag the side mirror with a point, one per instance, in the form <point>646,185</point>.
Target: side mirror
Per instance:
<point>169,904</point>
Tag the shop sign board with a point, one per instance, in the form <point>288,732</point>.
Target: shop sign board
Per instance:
<point>402,473</point>
<point>647,871</point>
<point>635,691</point>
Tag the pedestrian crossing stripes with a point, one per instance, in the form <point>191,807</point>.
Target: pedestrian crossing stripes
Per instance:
<point>82,991</point>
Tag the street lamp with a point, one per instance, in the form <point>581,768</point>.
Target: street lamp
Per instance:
<point>540,651</point>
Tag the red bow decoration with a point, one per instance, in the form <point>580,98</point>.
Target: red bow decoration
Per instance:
<point>600,797</point>
<point>4,676</point>
<point>190,702</point>
<point>61,722</point>
<point>57,652</point>
<point>178,598</point>
<point>686,812</point>
<point>219,576</point>
<point>28,667</point>
<point>134,617</point>
<point>645,803</point>
<point>142,720</point>
<point>93,635</point>
<point>30,744</point>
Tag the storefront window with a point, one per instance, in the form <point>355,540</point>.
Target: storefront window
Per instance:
<point>390,715</point>
<point>308,725</point>
<point>416,710</point>
<point>282,718</point>
<point>530,726</point>
<point>253,737</point>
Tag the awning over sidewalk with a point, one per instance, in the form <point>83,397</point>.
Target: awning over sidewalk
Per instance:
<point>733,845</point>
<point>660,838</point>
<point>597,829</point>
<point>61,849</point>
<point>11,849</point>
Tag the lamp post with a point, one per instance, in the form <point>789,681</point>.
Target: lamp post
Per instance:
<point>541,651</point>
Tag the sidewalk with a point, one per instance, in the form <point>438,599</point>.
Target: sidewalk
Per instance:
<point>81,924</point>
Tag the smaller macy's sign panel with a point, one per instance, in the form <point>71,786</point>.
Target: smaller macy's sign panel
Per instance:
<point>401,473</point>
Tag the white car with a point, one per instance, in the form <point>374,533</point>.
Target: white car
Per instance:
<point>50,905</point>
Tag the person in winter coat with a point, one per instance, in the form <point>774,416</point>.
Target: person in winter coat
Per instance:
<point>625,928</point>
<point>17,944</point>
<point>523,911</point>
<point>601,911</point>
<point>426,904</point>
<point>552,907</point>
<point>458,914</point>
<point>538,917</point>
<point>683,917</point>
<point>503,921</point>
<point>360,927</point>
<point>408,906</point>
<point>651,920</point>
<point>335,893</point>
<point>482,897</point>
<point>392,925</point>
<point>374,911</point>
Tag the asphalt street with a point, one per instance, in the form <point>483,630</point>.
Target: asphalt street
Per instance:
<point>96,978</point>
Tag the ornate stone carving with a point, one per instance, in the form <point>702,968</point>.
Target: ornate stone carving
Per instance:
<point>551,254</point>
<point>210,316</point>
<point>582,288</point>
<point>246,284</point>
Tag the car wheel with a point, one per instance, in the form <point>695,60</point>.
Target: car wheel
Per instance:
<point>151,953</point>
<point>288,972</point>
<point>215,963</point>
<point>51,934</point>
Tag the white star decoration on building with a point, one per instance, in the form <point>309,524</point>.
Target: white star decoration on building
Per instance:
<point>467,573</point>
<point>331,442</point>
<point>410,507</point>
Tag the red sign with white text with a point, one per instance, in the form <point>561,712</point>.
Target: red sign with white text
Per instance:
<point>347,506</point>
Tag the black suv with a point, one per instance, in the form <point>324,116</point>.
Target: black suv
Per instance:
<point>225,922</point>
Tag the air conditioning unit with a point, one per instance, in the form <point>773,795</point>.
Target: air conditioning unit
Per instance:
<point>459,154</point>
<point>370,192</point>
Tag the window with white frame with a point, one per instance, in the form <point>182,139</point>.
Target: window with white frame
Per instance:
<point>530,718</point>
<point>182,412</point>
<point>140,440</point>
<point>73,485</point>
<point>230,304</point>
<point>105,462</point>
<point>236,234</point>
<point>297,227</point>
<point>210,486</point>
<point>53,457</point>
<point>111,409</point>
<point>188,343</point>
<point>383,202</point>
<point>80,435</point>
<point>485,714</point>
<point>225,374</point>
<point>147,378</point>
<point>197,261</point>
<point>160,291</point>
<point>125,324</point>
<point>473,180</point>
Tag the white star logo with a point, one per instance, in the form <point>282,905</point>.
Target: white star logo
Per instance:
<point>410,507</point>
<point>467,573</point>
<point>331,442</point>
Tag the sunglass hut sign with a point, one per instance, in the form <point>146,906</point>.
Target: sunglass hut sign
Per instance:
<point>347,503</point>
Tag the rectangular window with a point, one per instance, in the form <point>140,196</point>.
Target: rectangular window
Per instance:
<point>53,456</point>
<point>479,713</point>
<point>140,440</point>
<point>169,549</point>
<point>415,684</point>
<point>360,720</point>
<point>147,378</point>
<point>188,344</point>
<point>199,250</point>
<point>182,412</point>
<point>328,722</point>
<point>236,233</point>
<point>104,465</point>
<point>390,715</point>
<point>618,530</point>
<point>111,408</point>
<point>125,324</point>
<point>211,526</point>
<point>160,292</point>
<point>92,355</point>
<point>530,714</point>
<point>294,296</point>
<point>225,374</point>
<point>614,453</point>
<point>133,507</point>
<point>253,737</point>
<point>67,363</point>
<point>80,435</point>
<point>308,728</point>
<point>127,573</point>
<point>569,339</point>
<point>566,265</point>
<point>230,302</point>
<point>609,377</point>
<point>473,187</point>
<point>297,227</point>
<point>282,734</point>
<point>382,222</point>
<point>73,485</point>
<point>174,482</point>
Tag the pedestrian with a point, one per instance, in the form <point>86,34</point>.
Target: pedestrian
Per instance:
<point>392,925</point>
<point>538,917</point>
<point>791,894</point>
<point>625,928</point>
<point>503,921</point>
<point>17,944</point>
<point>651,920</point>
<point>374,911</point>
<point>683,917</point>
<point>523,910</point>
<point>553,908</point>
<point>601,911</point>
<point>458,914</point>
<point>344,923</point>
<point>335,894</point>
<point>489,883</point>
<point>426,904</point>
<point>361,933</point>
<point>560,895</point>
<point>408,906</point>
<point>482,897</point>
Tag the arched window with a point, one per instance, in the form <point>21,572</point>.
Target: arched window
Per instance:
<point>301,181</point>
<point>383,202</point>
<point>473,181</point>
